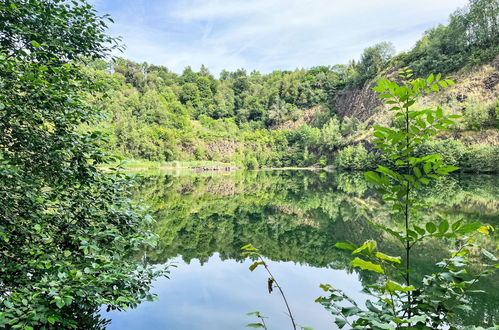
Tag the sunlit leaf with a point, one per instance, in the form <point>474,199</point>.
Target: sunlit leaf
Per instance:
<point>367,265</point>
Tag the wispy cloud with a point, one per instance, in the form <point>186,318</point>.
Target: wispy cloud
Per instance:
<point>267,34</point>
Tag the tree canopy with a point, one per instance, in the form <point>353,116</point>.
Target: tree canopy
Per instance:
<point>68,232</point>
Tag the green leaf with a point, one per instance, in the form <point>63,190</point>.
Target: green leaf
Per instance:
<point>51,320</point>
<point>340,322</point>
<point>431,227</point>
<point>249,247</point>
<point>372,177</point>
<point>427,168</point>
<point>469,228</point>
<point>256,264</point>
<point>255,325</point>
<point>59,302</point>
<point>367,265</point>
<point>368,245</point>
<point>450,168</point>
<point>371,307</point>
<point>489,255</point>
<point>443,84</point>
<point>393,287</point>
<point>456,225</point>
<point>443,226</point>
<point>430,118</point>
<point>387,171</point>
<point>387,257</point>
<point>350,311</point>
<point>35,44</point>
<point>419,318</point>
<point>346,246</point>
<point>304,327</point>
<point>439,113</point>
<point>408,104</point>
<point>419,230</point>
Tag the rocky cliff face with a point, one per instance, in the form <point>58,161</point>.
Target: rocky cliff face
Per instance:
<point>476,87</point>
<point>358,103</point>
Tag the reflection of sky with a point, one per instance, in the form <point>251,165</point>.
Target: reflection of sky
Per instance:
<point>218,295</point>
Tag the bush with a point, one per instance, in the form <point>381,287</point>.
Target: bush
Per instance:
<point>450,149</point>
<point>480,158</point>
<point>349,125</point>
<point>479,115</point>
<point>354,158</point>
<point>250,163</point>
<point>331,135</point>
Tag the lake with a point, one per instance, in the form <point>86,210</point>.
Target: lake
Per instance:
<point>293,218</point>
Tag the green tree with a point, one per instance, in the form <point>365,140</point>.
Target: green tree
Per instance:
<point>68,233</point>
<point>373,60</point>
<point>430,303</point>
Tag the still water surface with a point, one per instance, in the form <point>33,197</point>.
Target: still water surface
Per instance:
<point>293,217</point>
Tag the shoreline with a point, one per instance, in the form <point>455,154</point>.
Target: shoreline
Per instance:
<point>217,168</point>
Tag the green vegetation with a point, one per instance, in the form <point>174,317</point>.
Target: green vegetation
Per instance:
<point>471,37</point>
<point>432,302</point>
<point>68,233</point>
<point>295,215</point>
<point>72,242</point>
<point>288,118</point>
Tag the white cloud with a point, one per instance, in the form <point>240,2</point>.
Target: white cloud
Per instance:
<point>268,34</point>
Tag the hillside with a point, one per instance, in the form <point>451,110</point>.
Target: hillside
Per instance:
<point>306,117</point>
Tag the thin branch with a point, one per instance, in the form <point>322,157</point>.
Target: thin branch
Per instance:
<point>281,291</point>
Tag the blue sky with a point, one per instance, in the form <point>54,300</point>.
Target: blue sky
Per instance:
<point>266,35</point>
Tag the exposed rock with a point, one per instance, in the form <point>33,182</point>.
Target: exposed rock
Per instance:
<point>491,81</point>
<point>307,116</point>
<point>223,147</point>
<point>357,103</point>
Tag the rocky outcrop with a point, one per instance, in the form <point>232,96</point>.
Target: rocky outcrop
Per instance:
<point>360,103</point>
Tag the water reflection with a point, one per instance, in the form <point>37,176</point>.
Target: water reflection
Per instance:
<point>217,295</point>
<point>293,217</point>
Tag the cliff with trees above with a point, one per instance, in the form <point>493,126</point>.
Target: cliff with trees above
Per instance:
<point>318,116</point>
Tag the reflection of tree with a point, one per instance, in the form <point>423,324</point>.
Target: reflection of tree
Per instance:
<point>297,216</point>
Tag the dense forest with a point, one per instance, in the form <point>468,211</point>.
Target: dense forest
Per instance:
<point>75,244</point>
<point>304,117</point>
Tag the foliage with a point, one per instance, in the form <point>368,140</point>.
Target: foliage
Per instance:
<point>295,215</point>
<point>372,61</point>
<point>252,252</point>
<point>480,115</point>
<point>283,118</point>
<point>481,158</point>
<point>261,324</point>
<point>354,158</point>
<point>432,302</point>
<point>68,233</point>
<point>471,37</point>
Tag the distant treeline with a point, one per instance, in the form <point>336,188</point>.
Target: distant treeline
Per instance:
<point>284,118</point>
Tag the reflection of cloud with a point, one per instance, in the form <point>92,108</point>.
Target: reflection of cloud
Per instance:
<point>218,295</point>
<point>267,34</point>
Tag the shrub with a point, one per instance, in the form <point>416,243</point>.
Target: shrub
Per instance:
<point>250,163</point>
<point>450,149</point>
<point>480,158</point>
<point>480,115</point>
<point>353,158</point>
